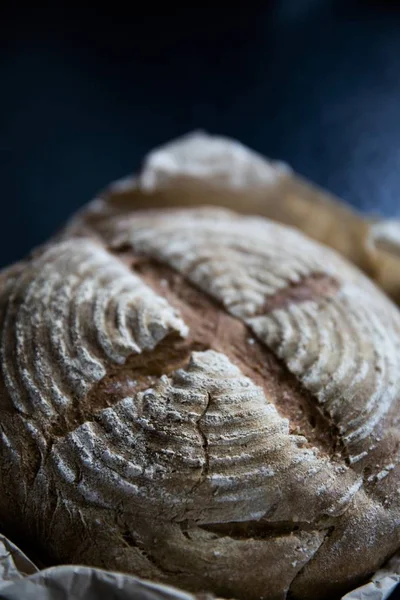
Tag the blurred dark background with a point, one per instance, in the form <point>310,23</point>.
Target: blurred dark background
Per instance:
<point>85,93</point>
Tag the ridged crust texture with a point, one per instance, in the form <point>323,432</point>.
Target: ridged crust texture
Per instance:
<point>200,398</point>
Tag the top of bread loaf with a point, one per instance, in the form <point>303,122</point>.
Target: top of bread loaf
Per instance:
<point>200,398</point>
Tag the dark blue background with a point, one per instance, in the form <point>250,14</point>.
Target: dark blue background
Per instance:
<point>85,94</point>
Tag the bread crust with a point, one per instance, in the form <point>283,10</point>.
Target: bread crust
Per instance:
<point>204,399</point>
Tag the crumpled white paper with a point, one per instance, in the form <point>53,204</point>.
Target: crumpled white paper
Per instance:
<point>13,563</point>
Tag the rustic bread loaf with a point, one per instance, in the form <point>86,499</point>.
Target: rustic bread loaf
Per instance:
<point>203,399</point>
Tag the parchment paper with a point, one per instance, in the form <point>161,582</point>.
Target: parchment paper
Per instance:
<point>201,169</point>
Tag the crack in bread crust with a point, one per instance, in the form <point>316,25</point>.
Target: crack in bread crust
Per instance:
<point>344,347</point>
<point>210,326</point>
<point>138,373</point>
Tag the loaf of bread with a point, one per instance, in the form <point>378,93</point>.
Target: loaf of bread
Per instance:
<point>200,398</point>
